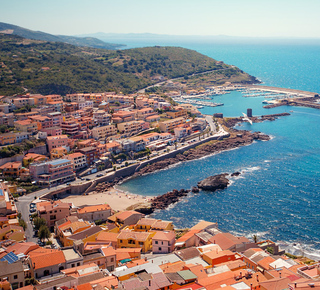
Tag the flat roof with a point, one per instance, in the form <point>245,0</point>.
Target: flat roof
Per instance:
<point>58,161</point>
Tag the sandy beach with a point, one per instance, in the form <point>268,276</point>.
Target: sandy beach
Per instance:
<point>117,199</point>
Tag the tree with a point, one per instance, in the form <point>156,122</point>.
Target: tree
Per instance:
<point>38,222</point>
<point>44,233</point>
<point>255,238</point>
<point>22,223</point>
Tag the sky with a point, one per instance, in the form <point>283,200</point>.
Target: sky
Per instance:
<point>251,18</point>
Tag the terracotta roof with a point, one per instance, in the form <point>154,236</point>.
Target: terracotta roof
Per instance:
<point>159,224</point>
<point>202,225</point>
<point>107,236</point>
<point>86,233</point>
<point>198,270</point>
<point>46,257</point>
<point>164,236</point>
<point>265,262</point>
<point>276,284</point>
<point>126,214</point>
<point>108,251</point>
<point>74,155</point>
<point>146,222</point>
<point>138,236</point>
<point>22,248</point>
<point>15,164</point>
<point>187,253</point>
<point>93,208</point>
<point>188,235</point>
<point>227,240</point>
<point>172,267</point>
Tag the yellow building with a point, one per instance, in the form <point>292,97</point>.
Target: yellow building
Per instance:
<point>58,152</point>
<point>87,235</point>
<point>167,126</point>
<point>7,138</point>
<point>148,224</point>
<point>130,239</point>
<point>104,132</point>
<point>177,113</point>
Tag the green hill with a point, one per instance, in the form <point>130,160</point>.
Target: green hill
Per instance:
<point>39,35</point>
<point>55,67</point>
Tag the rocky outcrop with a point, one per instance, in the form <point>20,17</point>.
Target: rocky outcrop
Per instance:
<point>171,197</point>
<point>213,183</point>
<point>237,173</point>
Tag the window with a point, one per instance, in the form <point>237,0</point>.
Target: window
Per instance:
<point>111,260</point>
<point>120,241</point>
<point>73,265</point>
<point>15,277</point>
<point>156,242</point>
<point>78,264</point>
<point>159,248</point>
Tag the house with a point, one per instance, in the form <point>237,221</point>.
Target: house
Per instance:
<point>217,257</point>
<point>33,157</point>
<point>69,228</point>
<point>113,147</point>
<point>123,116</point>
<point>45,262</point>
<point>108,237</point>
<point>110,256</point>
<point>128,253</point>
<point>12,232</point>
<point>230,242</point>
<point>126,218</point>
<point>58,152</point>
<point>78,160</point>
<point>53,211</point>
<point>163,242</point>
<point>13,272</point>
<point>42,121</point>
<point>87,235</point>
<point>131,239</point>
<point>94,212</point>
<point>188,239</point>
<point>11,169</point>
<point>73,258</point>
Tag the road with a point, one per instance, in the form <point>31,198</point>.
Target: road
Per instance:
<point>142,91</point>
<point>212,125</point>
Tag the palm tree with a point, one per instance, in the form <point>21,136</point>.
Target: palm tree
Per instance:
<point>255,238</point>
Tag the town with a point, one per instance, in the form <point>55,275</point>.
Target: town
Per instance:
<point>52,143</point>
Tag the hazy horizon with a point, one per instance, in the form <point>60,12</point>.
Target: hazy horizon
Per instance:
<point>247,18</point>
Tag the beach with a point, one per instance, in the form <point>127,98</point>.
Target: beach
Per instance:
<point>117,199</point>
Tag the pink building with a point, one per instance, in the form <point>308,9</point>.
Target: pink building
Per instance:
<point>57,141</point>
<point>163,242</point>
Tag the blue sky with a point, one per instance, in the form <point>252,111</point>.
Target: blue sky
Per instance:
<point>270,18</point>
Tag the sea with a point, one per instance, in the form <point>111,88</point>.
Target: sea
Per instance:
<point>277,194</point>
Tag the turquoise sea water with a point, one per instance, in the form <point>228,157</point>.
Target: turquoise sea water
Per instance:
<point>277,194</point>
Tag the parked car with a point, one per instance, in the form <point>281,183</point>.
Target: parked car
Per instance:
<point>99,175</point>
<point>32,210</point>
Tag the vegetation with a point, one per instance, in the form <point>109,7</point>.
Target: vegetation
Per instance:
<point>44,233</point>
<point>18,149</point>
<point>270,250</point>
<point>79,41</point>
<point>59,68</point>
<point>22,223</point>
<point>39,222</point>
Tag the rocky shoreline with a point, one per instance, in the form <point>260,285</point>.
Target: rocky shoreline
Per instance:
<point>241,138</point>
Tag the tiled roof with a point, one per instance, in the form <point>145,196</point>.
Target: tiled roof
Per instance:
<point>107,236</point>
<point>109,251</point>
<point>226,240</point>
<point>126,214</point>
<point>46,257</point>
<point>86,233</point>
<point>138,236</point>
<point>188,253</point>
<point>164,236</point>
<point>93,208</point>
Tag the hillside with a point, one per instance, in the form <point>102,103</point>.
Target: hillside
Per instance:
<point>55,67</point>
<point>39,35</point>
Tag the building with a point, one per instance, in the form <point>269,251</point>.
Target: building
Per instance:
<point>78,160</point>
<point>91,154</point>
<point>169,125</point>
<point>7,139</point>
<point>57,141</point>
<point>56,118</point>
<point>45,262</point>
<point>123,116</point>
<point>125,218</point>
<point>70,127</point>
<point>58,152</point>
<point>131,239</point>
<point>52,172</point>
<point>94,212</point>
<point>133,127</point>
<point>173,114</point>
<point>26,125</point>
<point>21,102</point>
<point>42,121</point>
<point>101,118</point>
<point>13,272</point>
<point>11,169</point>
<point>101,133</point>
<point>53,211</point>
<point>163,242</point>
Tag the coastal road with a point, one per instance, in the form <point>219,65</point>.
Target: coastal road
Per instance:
<point>212,125</point>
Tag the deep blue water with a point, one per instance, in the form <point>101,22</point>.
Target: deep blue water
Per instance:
<point>277,194</point>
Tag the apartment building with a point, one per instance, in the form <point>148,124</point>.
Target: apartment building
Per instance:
<point>78,160</point>
<point>57,141</point>
<point>169,125</point>
<point>52,172</point>
<point>70,127</point>
<point>101,133</point>
<point>133,127</point>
